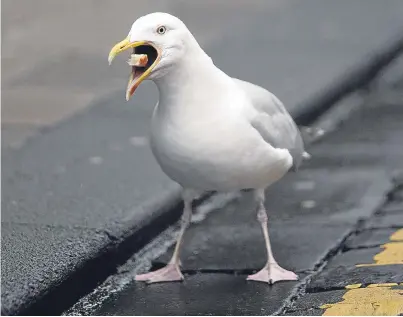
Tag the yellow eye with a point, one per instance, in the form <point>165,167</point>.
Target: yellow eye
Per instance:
<point>161,29</point>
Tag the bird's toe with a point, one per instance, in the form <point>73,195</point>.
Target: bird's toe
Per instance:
<point>273,273</point>
<point>169,273</point>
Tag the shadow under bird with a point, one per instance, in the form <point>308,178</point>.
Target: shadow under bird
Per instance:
<point>209,132</point>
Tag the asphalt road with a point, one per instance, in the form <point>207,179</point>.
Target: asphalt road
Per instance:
<point>75,160</point>
<point>346,265</point>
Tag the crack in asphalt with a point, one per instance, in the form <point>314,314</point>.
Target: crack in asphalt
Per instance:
<point>338,249</point>
<point>386,227</point>
<point>317,290</point>
<point>300,289</point>
<point>361,247</point>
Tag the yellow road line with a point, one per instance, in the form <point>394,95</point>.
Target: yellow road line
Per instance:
<point>368,301</point>
<point>397,236</point>
<point>376,299</point>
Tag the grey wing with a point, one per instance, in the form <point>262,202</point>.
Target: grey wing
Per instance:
<point>273,121</point>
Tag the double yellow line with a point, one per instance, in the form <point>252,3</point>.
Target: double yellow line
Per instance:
<point>375,299</point>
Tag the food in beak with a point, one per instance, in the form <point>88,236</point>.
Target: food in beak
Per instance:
<point>138,60</point>
<point>147,57</point>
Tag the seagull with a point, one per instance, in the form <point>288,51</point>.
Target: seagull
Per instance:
<point>209,131</point>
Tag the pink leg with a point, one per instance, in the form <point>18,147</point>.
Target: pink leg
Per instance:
<point>171,272</point>
<point>272,272</point>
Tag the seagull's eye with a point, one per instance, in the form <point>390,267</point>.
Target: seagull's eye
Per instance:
<point>161,29</point>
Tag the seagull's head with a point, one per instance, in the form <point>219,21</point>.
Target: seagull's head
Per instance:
<point>163,38</point>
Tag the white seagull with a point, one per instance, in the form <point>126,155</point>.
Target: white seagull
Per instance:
<point>209,132</point>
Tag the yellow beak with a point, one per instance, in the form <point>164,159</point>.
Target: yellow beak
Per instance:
<point>122,46</point>
<point>134,81</point>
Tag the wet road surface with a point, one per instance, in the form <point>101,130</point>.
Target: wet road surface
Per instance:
<point>338,223</point>
<point>75,159</point>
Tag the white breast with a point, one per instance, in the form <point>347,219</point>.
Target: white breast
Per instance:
<point>210,153</point>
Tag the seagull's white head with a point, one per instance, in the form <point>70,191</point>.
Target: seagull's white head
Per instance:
<point>163,38</point>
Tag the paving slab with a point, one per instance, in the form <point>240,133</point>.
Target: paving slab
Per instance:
<point>231,295</point>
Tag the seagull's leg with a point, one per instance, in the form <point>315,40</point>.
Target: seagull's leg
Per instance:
<point>171,272</point>
<point>272,272</point>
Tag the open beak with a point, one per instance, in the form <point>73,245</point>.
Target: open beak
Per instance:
<point>138,74</point>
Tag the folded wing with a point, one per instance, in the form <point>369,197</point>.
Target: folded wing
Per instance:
<point>273,121</point>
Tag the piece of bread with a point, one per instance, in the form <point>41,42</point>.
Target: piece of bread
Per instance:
<point>138,60</point>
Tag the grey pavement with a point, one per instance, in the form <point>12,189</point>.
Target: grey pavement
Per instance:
<point>330,289</point>
<point>75,161</point>
<point>349,179</point>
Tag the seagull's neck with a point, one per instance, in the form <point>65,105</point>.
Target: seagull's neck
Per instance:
<point>195,71</point>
